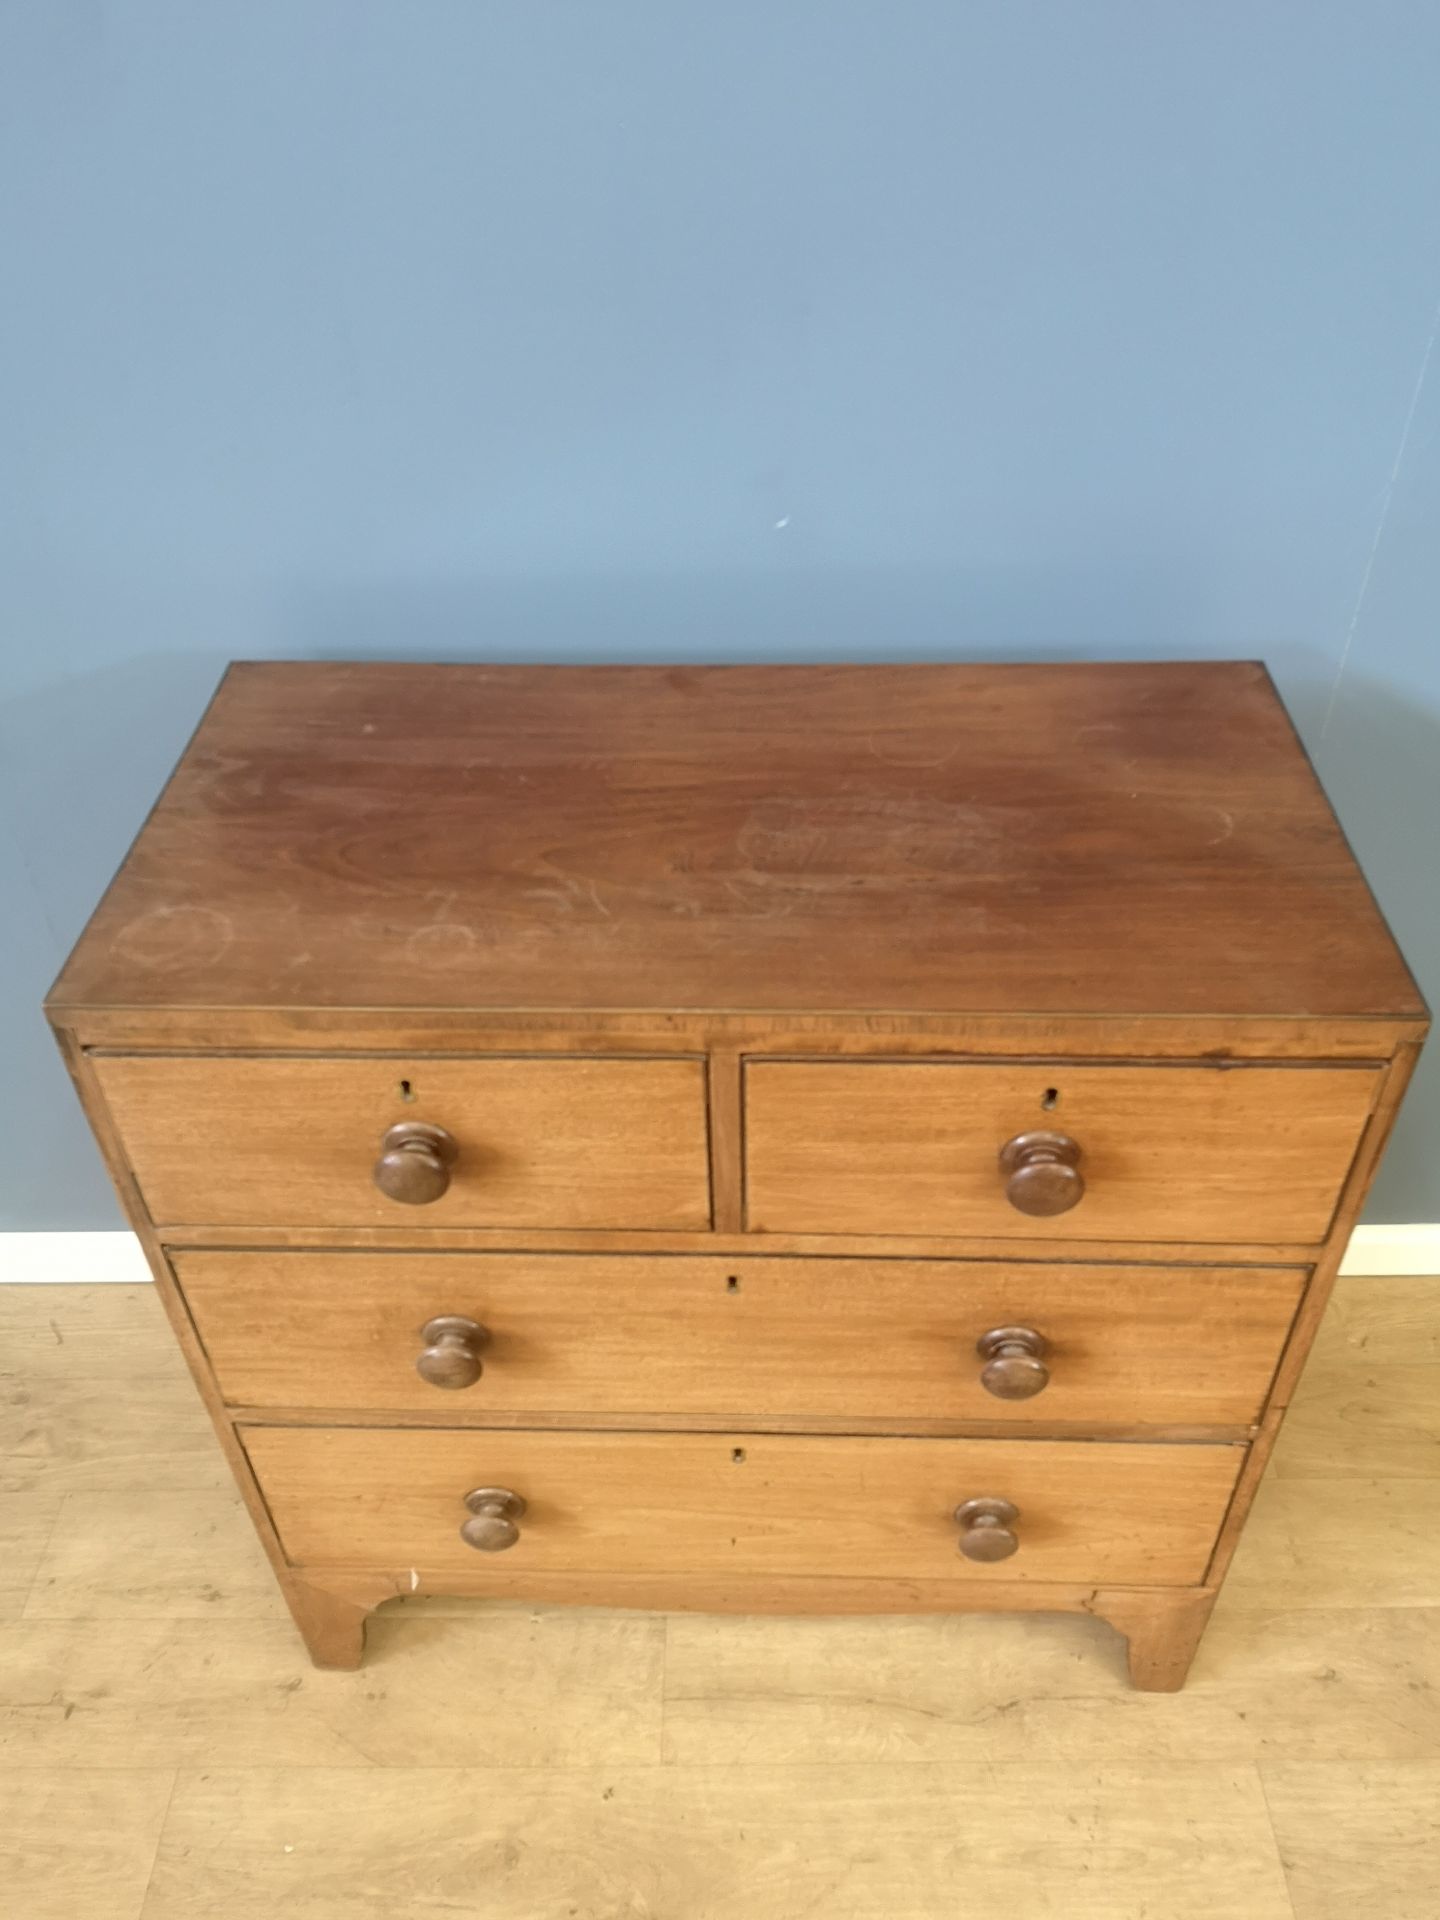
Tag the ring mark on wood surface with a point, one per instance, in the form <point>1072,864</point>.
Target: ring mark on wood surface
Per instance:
<point>169,938</point>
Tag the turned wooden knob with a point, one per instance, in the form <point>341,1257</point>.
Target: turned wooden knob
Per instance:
<point>1042,1172</point>
<point>491,1527</point>
<point>415,1162</point>
<point>985,1529</point>
<point>451,1355</point>
<point>1014,1362</point>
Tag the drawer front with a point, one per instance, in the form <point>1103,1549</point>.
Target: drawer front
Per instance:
<point>738,1502</point>
<point>1165,1153</point>
<point>741,1338</point>
<point>539,1142</point>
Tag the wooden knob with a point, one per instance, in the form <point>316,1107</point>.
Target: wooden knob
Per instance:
<point>1014,1362</point>
<point>985,1529</point>
<point>415,1162</point>
<point>491,1527</point>
<point>451,1356</point>
<point>1042,1172</point>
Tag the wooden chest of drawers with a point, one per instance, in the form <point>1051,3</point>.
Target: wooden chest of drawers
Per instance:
<point>824,1138</point>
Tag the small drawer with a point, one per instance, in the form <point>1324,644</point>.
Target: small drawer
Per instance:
<point>739,1502</point>
<point>741,1339</point>
<point>1046,1151</point>
<point>501,1142</point>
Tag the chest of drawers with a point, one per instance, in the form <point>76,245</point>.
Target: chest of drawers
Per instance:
<point>834,1138</point>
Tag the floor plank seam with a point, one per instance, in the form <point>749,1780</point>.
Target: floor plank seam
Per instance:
<point>1297,1768</point>
<point>160,1827</point>
<point>24,1614</point>
<point>1275,1835</point>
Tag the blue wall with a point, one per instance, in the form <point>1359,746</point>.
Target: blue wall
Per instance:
<point>777,329</point>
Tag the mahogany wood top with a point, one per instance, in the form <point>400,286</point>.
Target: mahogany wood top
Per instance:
<point>1078,839</point>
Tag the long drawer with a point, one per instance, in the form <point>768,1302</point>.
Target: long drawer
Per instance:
<point>741,1339</point>
<point>1047,1150</point>
<point>737,1502</point>
<point>536,1142</point>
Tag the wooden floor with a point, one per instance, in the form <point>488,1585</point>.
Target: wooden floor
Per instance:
<point>168,1753</point>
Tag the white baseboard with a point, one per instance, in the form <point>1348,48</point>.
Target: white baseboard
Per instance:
<point>97,1258</point>
<point>56,1258</point>
<point>1412,1249</point>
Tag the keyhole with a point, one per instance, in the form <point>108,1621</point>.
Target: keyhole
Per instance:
<point>737,1454</point>
<point>406,1091</point>
<point>1051,1099</point>
<point>732,1283</point>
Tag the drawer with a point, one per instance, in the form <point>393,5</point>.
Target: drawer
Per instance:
<point>741,1339</point>
<point>738,1502</point>
<point>537,1142</point>
<point>1201,1153</point>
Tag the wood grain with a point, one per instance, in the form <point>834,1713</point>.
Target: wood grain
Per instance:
<point>458,1029</point>
<point>639,939</point>
<point>1377,1323</point>
<point>821,1728</point>
<point>1312,1544</point>
<point>142,1554</point>
<point>1367,1403</point>
<point>1359,1420</point>
<point>81,1067</point>
<point>1031,1841</point>
<point>542,1142</point>
<point>562,1689</point>
<point>1307,1321</point>
<point>26,1523</point>
<point>766,1504</point>
<point>79,1843</point>
<point>1200,1152</point>
<point>724,1083</point>
<point>1344,1685</point>
<point>1162,1632</point>
<point>1130,838</point>
<point>881,1246</point>
<point>753,1337</point>
<point>1358,1840</point>
<point>58,1433</point>
<point>493,1580</point>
